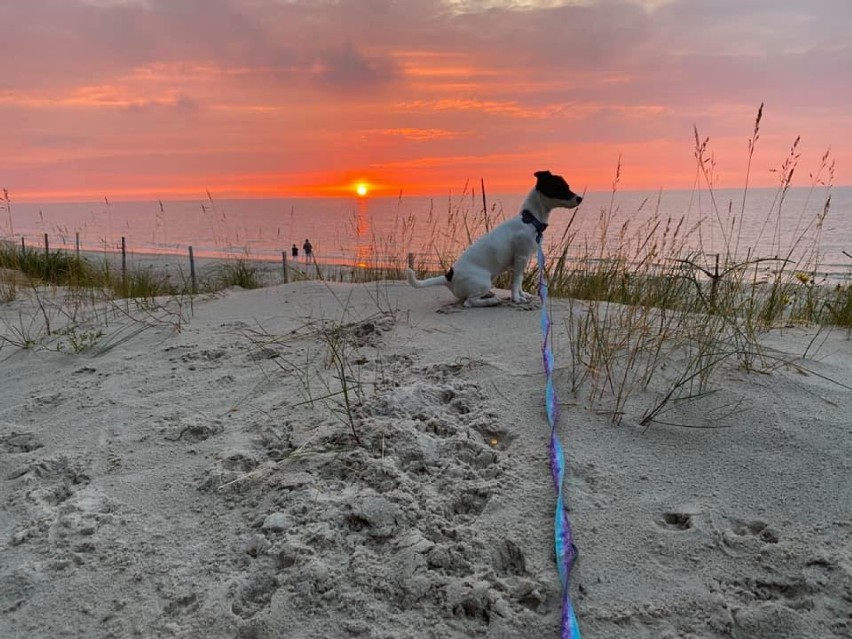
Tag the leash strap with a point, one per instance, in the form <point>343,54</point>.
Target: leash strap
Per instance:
<point>566,552</point>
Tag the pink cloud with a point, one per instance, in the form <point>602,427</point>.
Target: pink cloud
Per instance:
<point>202,90</point>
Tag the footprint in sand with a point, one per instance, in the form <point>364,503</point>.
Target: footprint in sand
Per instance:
<point>675,521</point>
<point>508,558</point>
<point>753,529</point>
<point>19,442</point>
<point>681,519</point>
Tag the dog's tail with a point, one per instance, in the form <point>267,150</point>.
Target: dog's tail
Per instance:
<point>442,280</point>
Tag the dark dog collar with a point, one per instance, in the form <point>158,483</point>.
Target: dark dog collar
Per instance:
<point>529,218</point>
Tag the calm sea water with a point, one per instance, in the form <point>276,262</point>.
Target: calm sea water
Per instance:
<point>370,230</point>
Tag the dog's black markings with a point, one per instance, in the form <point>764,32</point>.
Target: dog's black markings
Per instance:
<point>449,275</point>
<point>529,218</point>
<point>553,186</point>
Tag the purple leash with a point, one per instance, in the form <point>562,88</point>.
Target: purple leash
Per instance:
<point>566,552</point>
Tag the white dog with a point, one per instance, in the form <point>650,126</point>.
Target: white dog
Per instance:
<point>507,246</point>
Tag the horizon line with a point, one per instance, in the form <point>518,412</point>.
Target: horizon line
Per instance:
<point>343,194</point>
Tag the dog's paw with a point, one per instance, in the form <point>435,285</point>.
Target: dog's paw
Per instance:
<point>531,304</point>
<point>526,302</point>
<point>524,298</point>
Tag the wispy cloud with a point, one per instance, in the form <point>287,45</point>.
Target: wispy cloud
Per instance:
<point>345,68</point>
<point>302,87</point>
<point>480,6</point>
<point>416,135</point>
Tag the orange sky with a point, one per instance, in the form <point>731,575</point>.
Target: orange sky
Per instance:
<point>164,99</point>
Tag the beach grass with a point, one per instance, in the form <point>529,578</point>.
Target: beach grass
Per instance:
<point>651,307</point>
<point>240,272</point>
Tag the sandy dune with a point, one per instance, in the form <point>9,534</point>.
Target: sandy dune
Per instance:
<point>205,482</point>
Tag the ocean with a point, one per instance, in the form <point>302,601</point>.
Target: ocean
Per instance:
<point>373,230</point>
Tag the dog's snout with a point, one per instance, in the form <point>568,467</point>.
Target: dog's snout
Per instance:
<point>579,200</point>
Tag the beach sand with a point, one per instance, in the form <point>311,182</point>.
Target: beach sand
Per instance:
<point>194,474</point>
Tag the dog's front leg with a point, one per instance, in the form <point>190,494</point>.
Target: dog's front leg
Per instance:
<point>519,296</point>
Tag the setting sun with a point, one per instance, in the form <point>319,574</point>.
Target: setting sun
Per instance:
<point>361,189</point>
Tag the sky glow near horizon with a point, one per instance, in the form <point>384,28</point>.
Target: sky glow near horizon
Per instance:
<point>254,98</point>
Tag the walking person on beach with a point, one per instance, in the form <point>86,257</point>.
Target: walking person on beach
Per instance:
<point>308,248</point>
<point>295,251</point>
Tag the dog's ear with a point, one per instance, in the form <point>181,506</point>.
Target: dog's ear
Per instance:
<point>542,174</point>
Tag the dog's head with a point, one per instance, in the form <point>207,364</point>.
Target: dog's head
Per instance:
<point>554,187</point>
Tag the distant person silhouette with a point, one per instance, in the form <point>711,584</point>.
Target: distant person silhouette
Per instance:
<point>295,251</point>
<point>308,248</point>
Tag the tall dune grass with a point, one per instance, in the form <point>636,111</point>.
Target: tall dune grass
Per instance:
<point>655,310</point>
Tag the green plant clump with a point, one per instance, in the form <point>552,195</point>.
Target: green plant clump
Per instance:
<point>240,272</point>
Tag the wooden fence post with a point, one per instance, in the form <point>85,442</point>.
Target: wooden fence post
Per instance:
<point>46,255</point>
<point>284,265</point>
<point>78,245</point>
<point>193,284</point>
<point>123,263</point>
<point>411,261</point>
